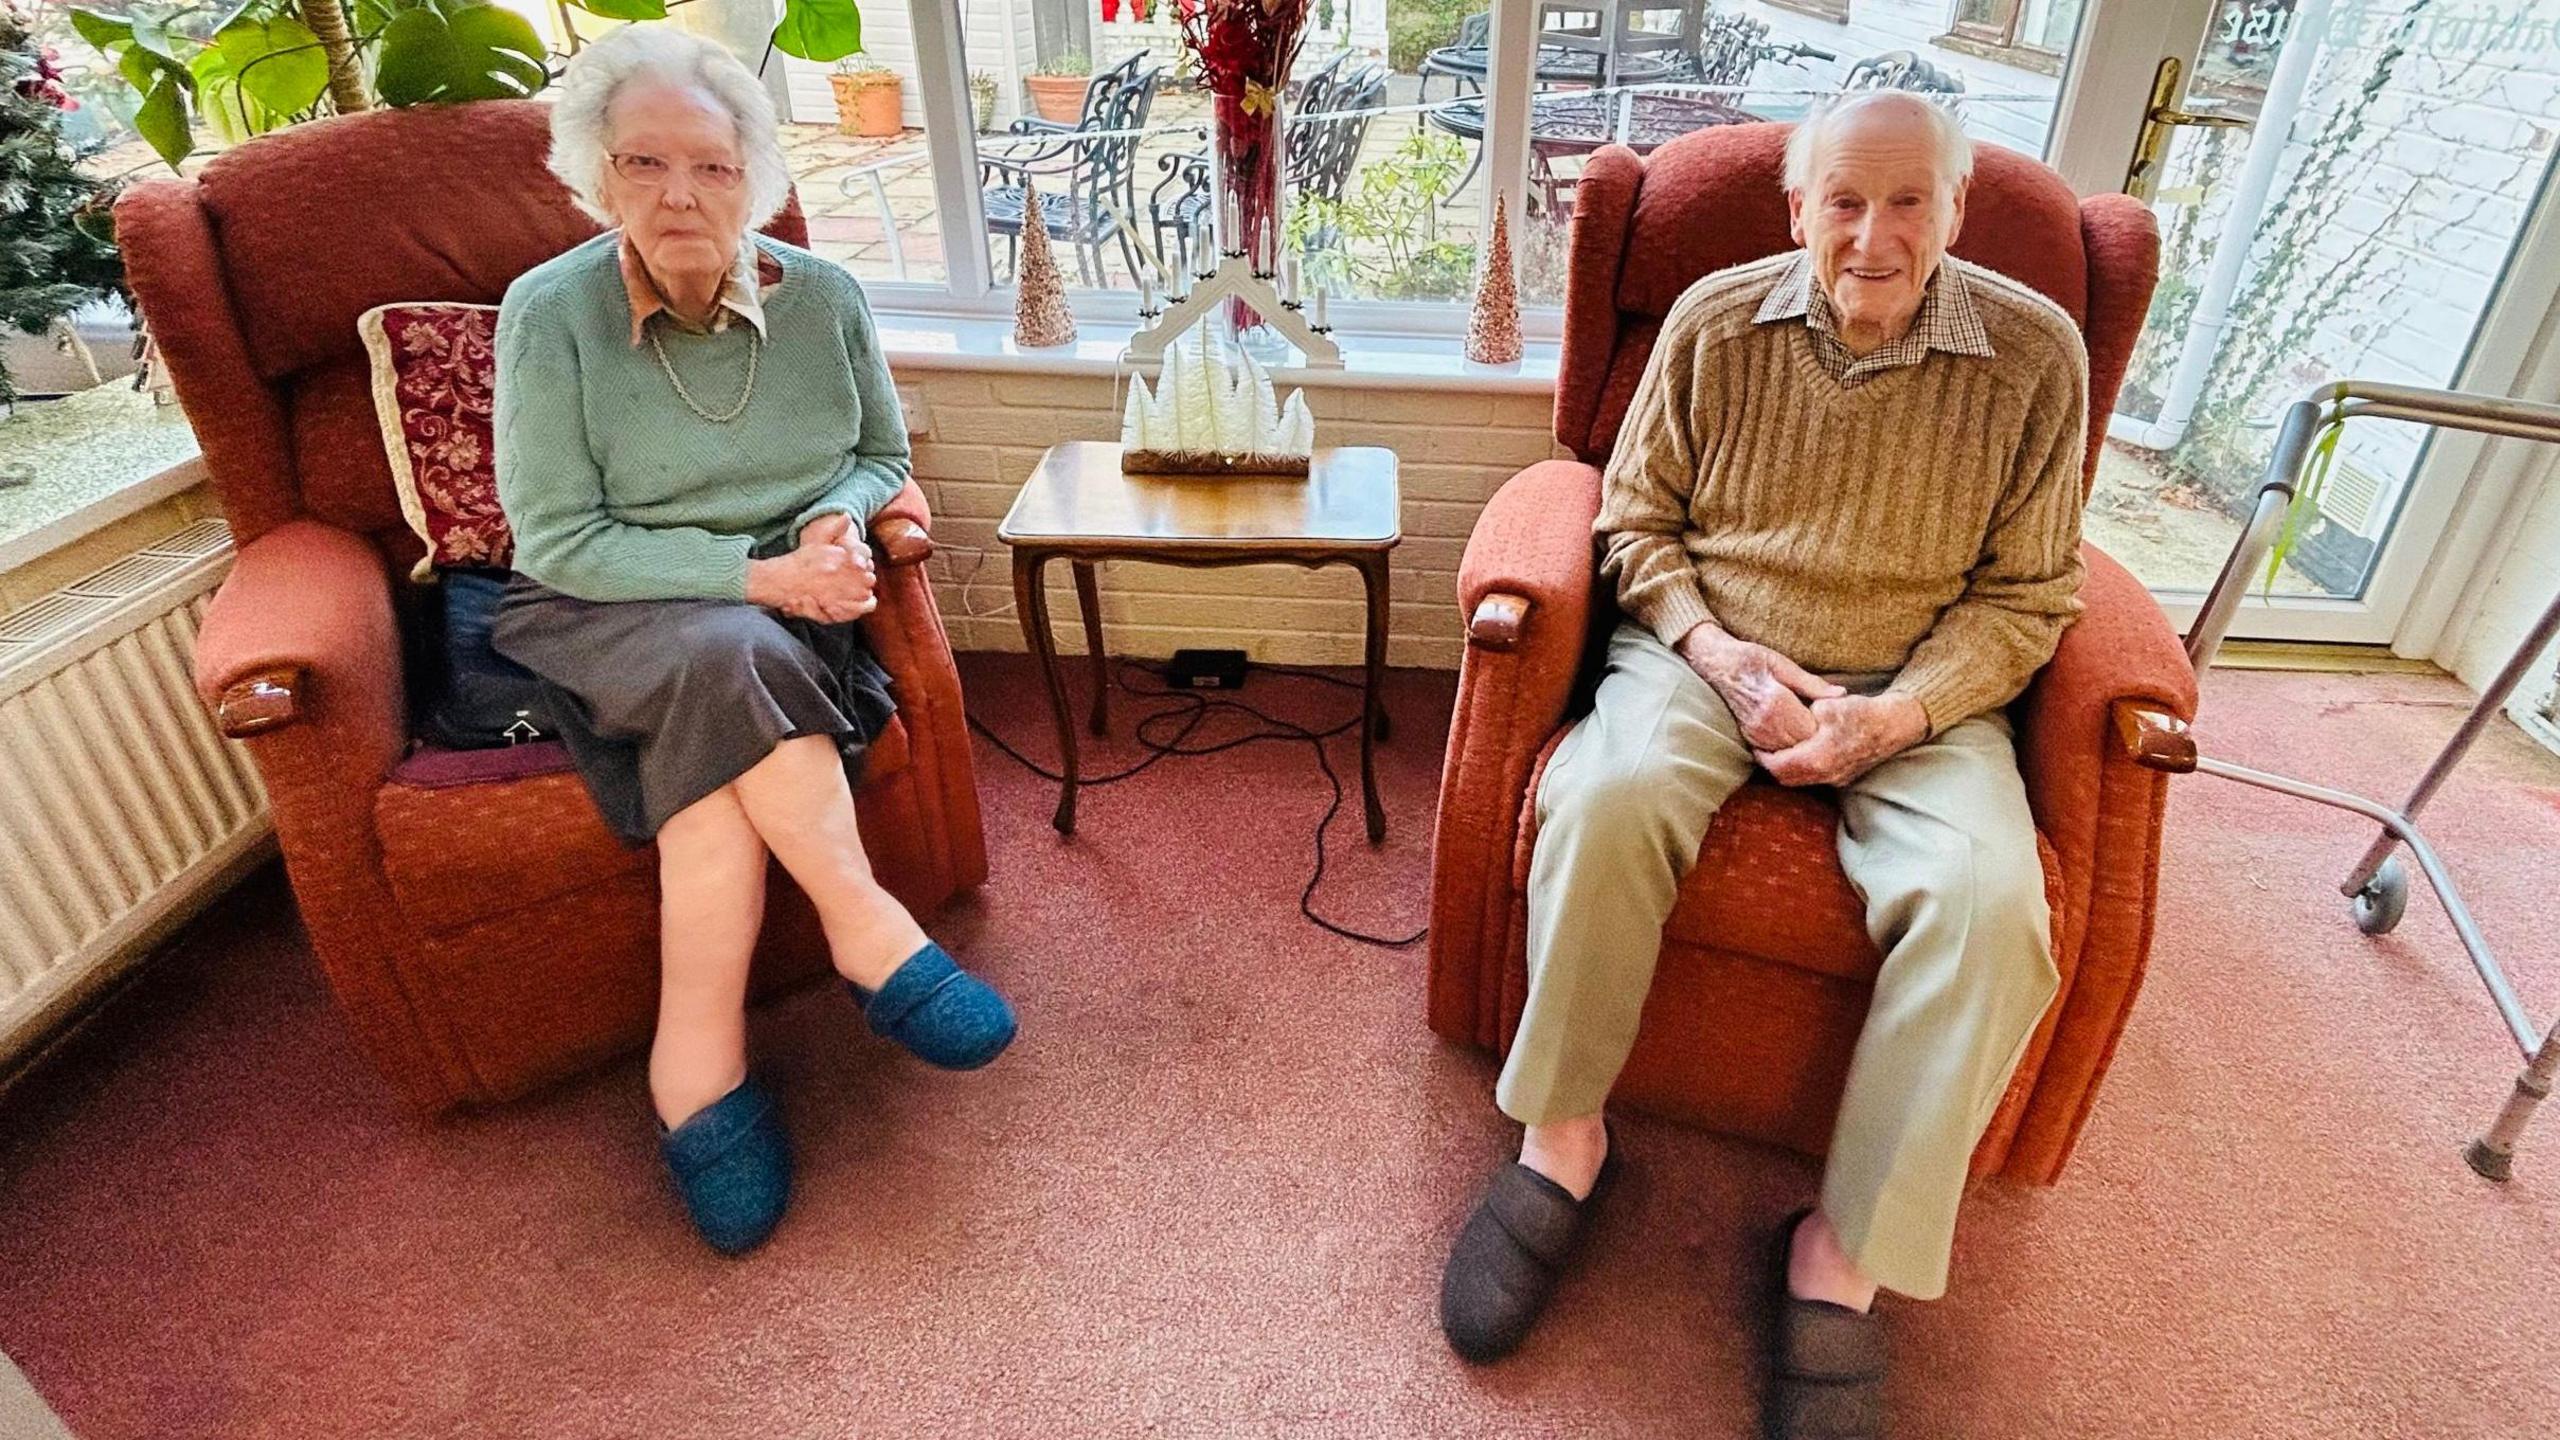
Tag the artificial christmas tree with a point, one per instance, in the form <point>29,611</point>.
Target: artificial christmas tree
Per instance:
<point>1040,314</point>
<point>56,256</point>
<point>1493,331</point>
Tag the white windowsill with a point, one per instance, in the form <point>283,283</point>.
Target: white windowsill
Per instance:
<point>1419,362</point>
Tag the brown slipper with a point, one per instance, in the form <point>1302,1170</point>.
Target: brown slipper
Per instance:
<point>1826,1362</point>
<point>1514,1247</point>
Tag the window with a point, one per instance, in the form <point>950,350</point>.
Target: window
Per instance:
<point>2041,25</point>
<point>1760,60</point>
<point>1092,103</point>
<point>1836,11</point>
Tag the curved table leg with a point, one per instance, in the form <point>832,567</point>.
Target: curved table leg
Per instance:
<point>1031,598</point>
<point>1373,577</point>
<point>1091,605</point>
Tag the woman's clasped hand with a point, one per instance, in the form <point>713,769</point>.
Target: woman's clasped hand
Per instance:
<point>829,578</point>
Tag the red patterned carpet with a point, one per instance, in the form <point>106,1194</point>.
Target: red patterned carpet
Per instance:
<point>1209,1191</point>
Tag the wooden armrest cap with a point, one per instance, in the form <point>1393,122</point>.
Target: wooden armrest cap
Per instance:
<point>264,700</point>
<point>1499,621</point>
<point>902,541</point>
<point>2155,739</point>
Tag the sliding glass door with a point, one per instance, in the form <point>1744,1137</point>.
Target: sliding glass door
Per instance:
<point>2346,189</point>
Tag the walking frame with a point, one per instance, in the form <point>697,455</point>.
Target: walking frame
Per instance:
<point>2378,887</point>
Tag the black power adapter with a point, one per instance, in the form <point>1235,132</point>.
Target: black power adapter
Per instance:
<point>1206,670</point>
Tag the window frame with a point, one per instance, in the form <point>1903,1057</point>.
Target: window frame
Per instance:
<point>1835,11</point>
<point>2001,35</point>
<point>1999,43</point>
<point>951,142</point>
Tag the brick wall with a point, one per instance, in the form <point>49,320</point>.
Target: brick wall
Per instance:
<point>980,434</point>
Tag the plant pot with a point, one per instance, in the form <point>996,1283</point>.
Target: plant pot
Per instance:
<point>1057,97</point>
<point>867,105</point>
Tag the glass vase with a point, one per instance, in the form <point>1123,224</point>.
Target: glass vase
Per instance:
<point>1249,187</point>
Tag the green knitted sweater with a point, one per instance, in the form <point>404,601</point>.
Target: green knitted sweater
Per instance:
<point>616,490</point>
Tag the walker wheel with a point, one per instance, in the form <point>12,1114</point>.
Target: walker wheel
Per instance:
<point>2384,899</point>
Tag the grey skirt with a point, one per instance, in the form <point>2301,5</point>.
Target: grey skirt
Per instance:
<point>662,702</point>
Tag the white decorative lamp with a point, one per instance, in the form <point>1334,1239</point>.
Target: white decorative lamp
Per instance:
<point>1213,412</point>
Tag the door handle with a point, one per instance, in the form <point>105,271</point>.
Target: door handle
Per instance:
<point>2159,117</point>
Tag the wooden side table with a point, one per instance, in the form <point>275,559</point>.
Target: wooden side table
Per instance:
<point>1079,507</point>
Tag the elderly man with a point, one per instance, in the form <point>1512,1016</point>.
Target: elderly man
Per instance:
<point>1843,520</point>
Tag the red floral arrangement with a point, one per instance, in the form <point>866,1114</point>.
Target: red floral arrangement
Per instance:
<point>1245,48</point>
<point>45,83</point>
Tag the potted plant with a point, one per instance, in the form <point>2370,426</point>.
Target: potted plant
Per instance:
<point>867,97</point>
<point>1057,87</point>
<point>982,96</point>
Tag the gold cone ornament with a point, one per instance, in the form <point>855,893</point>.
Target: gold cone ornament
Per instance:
<point>1040,314</point>
<point>1493,330</point>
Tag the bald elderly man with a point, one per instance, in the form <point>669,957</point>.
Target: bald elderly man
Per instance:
<point>1843,521</point>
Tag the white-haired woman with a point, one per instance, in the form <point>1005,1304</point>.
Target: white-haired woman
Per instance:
<point>694,425</point>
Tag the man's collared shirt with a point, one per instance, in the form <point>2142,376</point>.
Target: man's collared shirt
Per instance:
<point>741,291</point>
<point>1947,321</point>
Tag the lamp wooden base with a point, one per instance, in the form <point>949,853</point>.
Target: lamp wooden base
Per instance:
<point>1208,462</point>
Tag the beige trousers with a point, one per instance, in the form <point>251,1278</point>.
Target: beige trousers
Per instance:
<point>1939,843</point>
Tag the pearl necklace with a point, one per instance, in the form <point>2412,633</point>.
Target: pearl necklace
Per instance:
<point>755,348</point>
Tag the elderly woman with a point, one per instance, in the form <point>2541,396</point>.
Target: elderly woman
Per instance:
<point>694,424</point>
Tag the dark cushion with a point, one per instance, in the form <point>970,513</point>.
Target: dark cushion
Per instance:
<point>480,699</point>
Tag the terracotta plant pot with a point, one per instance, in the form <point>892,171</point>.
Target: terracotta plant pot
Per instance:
<point>867,104</point>
<point>1057,97</point>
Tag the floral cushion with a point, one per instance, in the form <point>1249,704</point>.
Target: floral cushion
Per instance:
<point>434,370</point>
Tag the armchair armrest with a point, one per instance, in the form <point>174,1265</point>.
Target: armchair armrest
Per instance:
<point>1525,584</point>
<point>1529,563</point>
<point>2096,732</point>
<point>2121,653</point>
<point>901,532</point>
<point>301,635</point>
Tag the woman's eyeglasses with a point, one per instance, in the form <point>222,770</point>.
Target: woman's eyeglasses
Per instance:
<point>654,171</point>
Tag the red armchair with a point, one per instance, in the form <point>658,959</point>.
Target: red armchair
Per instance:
<point>1766,964</point>
<point>482,938</point>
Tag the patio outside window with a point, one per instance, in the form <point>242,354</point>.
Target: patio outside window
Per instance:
<point>1093,103</point>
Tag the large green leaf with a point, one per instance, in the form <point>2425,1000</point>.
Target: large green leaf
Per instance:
<point>624,9</point>
<point>278,62</point>
<point>102,30</point>
<point>473,52</point>
<point>232,113</point>
<point>151,32</point>
<point>162,120</point>
<point>819,29</point>
<point>141,69</point>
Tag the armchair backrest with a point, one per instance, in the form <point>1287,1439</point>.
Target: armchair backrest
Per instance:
<point>1644,230</point>
<point>250,277</point>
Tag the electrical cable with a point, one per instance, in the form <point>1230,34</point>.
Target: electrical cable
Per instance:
<point>1194,709</point>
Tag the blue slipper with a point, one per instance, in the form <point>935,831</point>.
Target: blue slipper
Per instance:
<point>942,1014</point>
<point>732,1165</point>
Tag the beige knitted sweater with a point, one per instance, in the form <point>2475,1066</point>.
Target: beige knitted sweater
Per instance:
<point>1925,522</point>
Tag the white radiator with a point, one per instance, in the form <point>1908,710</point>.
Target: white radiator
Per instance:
<point>122,810</point>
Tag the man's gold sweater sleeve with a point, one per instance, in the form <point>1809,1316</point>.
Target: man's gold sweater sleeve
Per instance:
<point>1646,490</point>
<point>2025,589</point>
